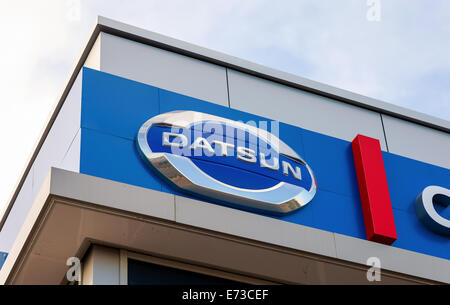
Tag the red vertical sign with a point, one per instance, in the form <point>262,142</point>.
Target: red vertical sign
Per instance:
<point>373,190</point>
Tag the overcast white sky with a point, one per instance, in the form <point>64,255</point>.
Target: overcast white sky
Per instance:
<point>403,58</point>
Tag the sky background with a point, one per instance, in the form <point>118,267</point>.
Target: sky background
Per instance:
<point>400,55</point>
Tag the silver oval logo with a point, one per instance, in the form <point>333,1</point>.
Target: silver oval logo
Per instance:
<point>226,161</point>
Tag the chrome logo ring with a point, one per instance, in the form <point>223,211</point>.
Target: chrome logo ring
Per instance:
<point>184,174</point>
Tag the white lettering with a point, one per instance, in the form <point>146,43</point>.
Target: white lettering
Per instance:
<point>203,144</point>
<point>226,149</point>
<point>426,211</point>
<point>276,163</point>
<point>223,147</point>
<point>169,135</point>
<point>288,167</point>
<point>246,154</point>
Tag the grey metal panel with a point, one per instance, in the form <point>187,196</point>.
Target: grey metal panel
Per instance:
<point>417,142</point>
<point>18,213</point>
<point>163,69</point>
<point>392,258</point>
<point>112,194</point>
<point>168,43</point>
<point>303,109</point>
<point>266,229</point>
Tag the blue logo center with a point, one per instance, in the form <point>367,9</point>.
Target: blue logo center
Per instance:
<point>226,161</point>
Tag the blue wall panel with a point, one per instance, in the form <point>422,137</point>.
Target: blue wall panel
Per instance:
<point>413,235</point>
<point>332,162</point>
<point>115,105</point>
<point>114,108</point>
<point>115,158</point>
<point>407,178</point>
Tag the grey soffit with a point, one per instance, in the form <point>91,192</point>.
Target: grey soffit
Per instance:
<point>116,196</point>
<point>147,37</point>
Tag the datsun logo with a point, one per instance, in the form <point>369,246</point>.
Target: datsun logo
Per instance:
<point>226,161</point>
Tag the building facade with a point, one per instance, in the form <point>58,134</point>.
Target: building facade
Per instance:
<point>354,187</point>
